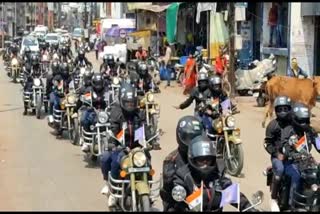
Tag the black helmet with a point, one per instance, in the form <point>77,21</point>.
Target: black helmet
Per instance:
<point>202,81</point>
<point>87,77</point>
<point>202,156</point>
<point>188,128</point>
<point>55,46</point>
<point>64,68</point>
<point>27,50</point>
<point>143,69</point>
<point>55,67</point>
<point>109,59</point>
<point>81,54</point>
<point>282,106</point>
<point>128,97</point>
<point>215,84</point>
<point>64,50</point>
<point>134,78</point>
<point>35,59</point>
<point>97,82</point>
<point>301,117</point>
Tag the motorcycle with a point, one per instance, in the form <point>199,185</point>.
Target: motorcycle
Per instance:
<point>179,194</point>
<point>153,68</point>
<point>305,198</point>
<point>65,118</point>
<point>96,137</point>
<point>36,98</point>
<point>152,110</point>
<point>221,130</point>
<point>136,189</point>
<point>246,79</point>
<point>15,70</point>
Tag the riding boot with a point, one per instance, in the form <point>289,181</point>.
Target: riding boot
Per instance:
<point>274,194</point>
<point>275,187</point>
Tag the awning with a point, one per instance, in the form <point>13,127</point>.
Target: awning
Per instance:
<point>171,21</point>
<point>141,33</point>
<point>148,6</point>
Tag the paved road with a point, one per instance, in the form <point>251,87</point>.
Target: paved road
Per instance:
<point>38,172</point>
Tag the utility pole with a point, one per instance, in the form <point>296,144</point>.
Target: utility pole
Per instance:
<point>2,36</point>
<point>59,14</point>
<point>85,16</point>
<point>15,19</point>
<point>231,76</point>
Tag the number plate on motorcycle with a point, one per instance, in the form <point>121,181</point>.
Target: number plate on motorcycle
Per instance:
<point>256,94</point>
<point>143,169</point>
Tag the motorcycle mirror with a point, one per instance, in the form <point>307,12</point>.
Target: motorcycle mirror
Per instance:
<point>257,197</point>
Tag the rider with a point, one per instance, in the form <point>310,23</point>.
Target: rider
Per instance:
<point>97,92</point>
<point>299,128</point>
<point>202,167</point>
<point>31,71</point>
<point>123,115</point>
<point>60,81</point>
<point>141,54</point>
<point>81,59</point>
<point>273,144</point>
<point>198,93</point>
<point>108,65</point>
<point>65,54</point>
<point>188,127</point>
<point>145,77</point>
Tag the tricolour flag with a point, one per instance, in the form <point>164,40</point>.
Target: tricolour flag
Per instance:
<point>120,135</point>
<point>317,143</point>
<point>195,199</point>
<point>302,142</point>
<point>226,105</point>
<point>230,195</point>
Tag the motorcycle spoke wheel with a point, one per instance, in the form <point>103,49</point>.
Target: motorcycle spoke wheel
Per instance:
<point>235,163</point>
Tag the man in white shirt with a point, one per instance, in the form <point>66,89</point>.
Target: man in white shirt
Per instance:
<point>167,61</point>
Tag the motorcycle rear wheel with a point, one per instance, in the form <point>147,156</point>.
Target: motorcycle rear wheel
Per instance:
<point>145,203</point>
<point>235,164</point>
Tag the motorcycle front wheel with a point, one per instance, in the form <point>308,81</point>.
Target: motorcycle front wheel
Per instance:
<point>145,203</point>
<point>38,106</point>
<point>74,135</point>
<point>235,163</point>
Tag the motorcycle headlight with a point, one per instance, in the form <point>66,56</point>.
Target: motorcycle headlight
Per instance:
<point>71,99</point>
<point>82,70</point>
<point>314,187</point>
<point>178,193</point>
<point>139,159</point>
<point>217,125</point>
<point>102,117</point>
<point>36,82</point>
<point>116,81</point>
<point>230,121</point>
<point>44,58</point>
<point>14,62</point>
<point>150,98</point>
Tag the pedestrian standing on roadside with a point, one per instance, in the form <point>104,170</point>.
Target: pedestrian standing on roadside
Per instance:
<point>273,20</point>
<point>167,62</point>
<point>96,47</point>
